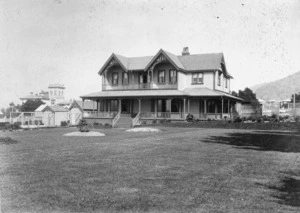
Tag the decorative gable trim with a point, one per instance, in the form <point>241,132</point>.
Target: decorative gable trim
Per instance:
<point>112,61</point>
<point>160,57</point>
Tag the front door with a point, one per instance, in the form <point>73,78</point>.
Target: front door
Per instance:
<point>125,106</point>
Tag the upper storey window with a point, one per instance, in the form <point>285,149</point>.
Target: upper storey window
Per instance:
<point>197,78</point>
<point>125,78</point>
<point>115,78</point>
<point>219,78</point>
<point>226,82</point>
<point>173,76</point>
<point>161,76</point>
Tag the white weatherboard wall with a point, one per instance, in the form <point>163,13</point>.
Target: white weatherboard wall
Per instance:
<point>208,79</point>
<point>181,79</point>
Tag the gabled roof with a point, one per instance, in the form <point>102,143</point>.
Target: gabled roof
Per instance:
<point>55,109</point>
<point>40,108</point>
<point>196,62</point>
<point>139,63</point>
<point>172,59</point>
<point>208,61</point>
<point>122,61</point>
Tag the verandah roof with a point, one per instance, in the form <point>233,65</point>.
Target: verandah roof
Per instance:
<point>193,92</point>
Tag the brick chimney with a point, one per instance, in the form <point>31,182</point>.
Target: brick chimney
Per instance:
<point>185,51</point>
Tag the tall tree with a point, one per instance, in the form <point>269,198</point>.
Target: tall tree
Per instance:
<point>248,95</point>
<point>31,105</point>
<point>234,93</point>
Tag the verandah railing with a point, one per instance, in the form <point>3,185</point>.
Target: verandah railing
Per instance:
<point>166,115</point>
<point>100,114</point>
<point>136,120</point>
<point>116,118</point>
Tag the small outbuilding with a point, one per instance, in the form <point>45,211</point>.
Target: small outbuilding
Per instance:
<point>77,108</point>
<point>54,115</point>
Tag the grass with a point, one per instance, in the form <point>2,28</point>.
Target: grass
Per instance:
<point>175,170</point>
<point>295,126</point>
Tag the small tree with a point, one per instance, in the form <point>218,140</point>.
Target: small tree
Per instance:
<point>31,105</point>
<point>234,94</point>
<point>248,95</point>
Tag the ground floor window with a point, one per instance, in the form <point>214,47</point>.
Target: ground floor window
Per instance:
<point>161,105</point>
<point>113,105</point>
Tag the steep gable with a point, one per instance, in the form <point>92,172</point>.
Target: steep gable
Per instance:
<point>114,60</point>
<point>163,56</point>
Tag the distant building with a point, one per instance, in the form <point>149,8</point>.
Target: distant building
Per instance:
<point>43,96</point>
<point>54,95</point>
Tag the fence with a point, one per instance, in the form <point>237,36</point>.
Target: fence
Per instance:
<point>43,119</point>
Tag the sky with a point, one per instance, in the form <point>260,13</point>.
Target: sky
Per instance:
<point>68,41</point>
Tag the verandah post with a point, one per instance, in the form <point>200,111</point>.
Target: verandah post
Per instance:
<point>140,105</point>
<point>229,114</point>
<point>120,105</point>
<point>155,107</point>
<point>222,108</point>
<point>184,108</point>
<point>205,110</point>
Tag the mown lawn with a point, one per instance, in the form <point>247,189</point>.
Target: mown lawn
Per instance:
<point>176,170</point>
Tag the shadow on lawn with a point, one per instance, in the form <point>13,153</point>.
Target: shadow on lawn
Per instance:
<point>260,141</point>
<point>288,191</point>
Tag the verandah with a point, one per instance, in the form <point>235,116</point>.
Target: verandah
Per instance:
<point>166,108</point>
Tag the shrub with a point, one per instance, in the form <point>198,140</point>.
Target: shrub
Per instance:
<point>237,120</point>
<point>7,140</point>
<point>95,124</point>
<point>208,119</point>
<point>107,125</point>
<point>16,125</point>
<point>8,126</point>
<point>63,123</point>
<point>83,126</point>
<point>258,120</point>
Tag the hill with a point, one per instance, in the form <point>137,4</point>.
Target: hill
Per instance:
<point>280,89</point>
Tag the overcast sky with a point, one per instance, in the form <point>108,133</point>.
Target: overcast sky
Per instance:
<point>67,41</point>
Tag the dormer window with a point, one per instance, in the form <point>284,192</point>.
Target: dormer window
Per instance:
<point>197,78</point>
<point>125,78</point>
<point>115,78</point>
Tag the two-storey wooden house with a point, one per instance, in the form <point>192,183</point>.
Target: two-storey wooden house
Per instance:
<point>164,86</point>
